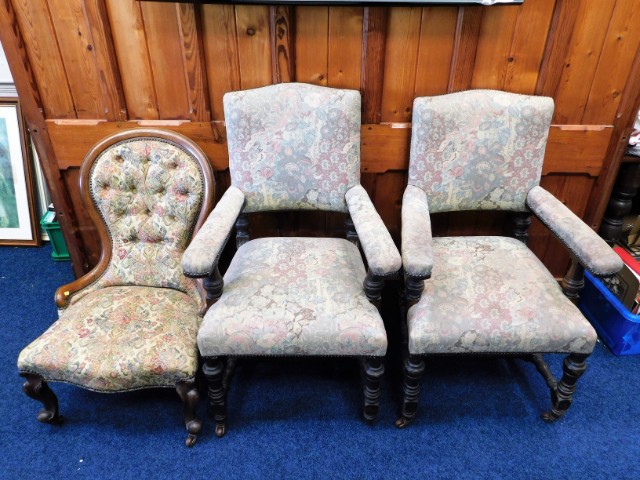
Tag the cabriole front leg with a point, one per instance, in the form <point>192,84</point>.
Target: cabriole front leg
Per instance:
<point>36,388</point>
<point>413,370</point>
<point>188,393</point>
<point>213,370</point>
<point>562,396</point>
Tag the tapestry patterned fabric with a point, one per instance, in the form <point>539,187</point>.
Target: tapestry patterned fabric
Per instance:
<point>492,294</point>
<point>294,296</point>
<point>149,192</point>
<point>417,248</point>
<point>382,255</point>
<point>202,255</point>
<point>119,338</point>
<point>588,247</point>
<point>478,149</point>
<point>293,146</point>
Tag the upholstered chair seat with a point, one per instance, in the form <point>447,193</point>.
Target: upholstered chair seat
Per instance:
<point>118,339</point>
<point>293,147</point>
<point>484,150</point>
<point>132,321</point>
<point>493,295</point>
<point>294,296</point>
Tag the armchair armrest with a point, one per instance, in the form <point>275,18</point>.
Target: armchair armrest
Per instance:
<point>590,250</point>
<point>382,255</point>
<point>201,257</point>
<point>417,243</point>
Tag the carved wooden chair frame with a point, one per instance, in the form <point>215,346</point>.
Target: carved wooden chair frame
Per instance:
<point>35,386</point>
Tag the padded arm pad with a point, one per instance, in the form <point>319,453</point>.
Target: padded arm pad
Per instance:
<point>591,251</point>
<point>417,244</point>
<point>382,255</point>
<point>201,257</point>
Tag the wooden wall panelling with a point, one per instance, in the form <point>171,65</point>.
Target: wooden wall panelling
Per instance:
<point>45,60</point>
<point>254,45</point>
<point>130,41</point>
<point>570,148</point>
<point>221,54</point>
<point>527,49</point>
<point>164,41</point>
<point>401,60</point>
<point>591,25</point>
<point>76,48</point>
<point>15,50</point>
<point>465,48</point>
<point>282,43</point>
<point>435,52</point>
<point>563,21</point>
<point>493,53</point>
<point>193,62</point>
<point>113,102</point>
<point>345,47</point>
<point>312,45</point>
<point>622,41</point>
<point>374,41</point>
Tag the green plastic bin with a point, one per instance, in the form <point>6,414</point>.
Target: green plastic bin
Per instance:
<point>59,248</point>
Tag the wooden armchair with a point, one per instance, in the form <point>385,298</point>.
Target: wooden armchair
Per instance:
<point>293,147</point>
<point>483,150</point>
<point>132,321</point>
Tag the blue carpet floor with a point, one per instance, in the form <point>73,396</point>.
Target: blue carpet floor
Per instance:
<point>478,418</point>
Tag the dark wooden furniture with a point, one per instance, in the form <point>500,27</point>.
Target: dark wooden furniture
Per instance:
<point>620,203</point>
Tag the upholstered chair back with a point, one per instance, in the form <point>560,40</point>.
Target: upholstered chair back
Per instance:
<point>293,146</point>
<point>479,149</point>
<point>149,193</point>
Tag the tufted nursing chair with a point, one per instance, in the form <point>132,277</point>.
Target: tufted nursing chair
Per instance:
<point>293,147</point>
<point>131,322</point>
<point>483,150</point>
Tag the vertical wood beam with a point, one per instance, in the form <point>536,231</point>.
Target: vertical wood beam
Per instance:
<point>465,48</point>
<point>282,30</point>
<point>14,48</point>
<point>557,47</point>
<point>622,127</point>
<point>374,42</point>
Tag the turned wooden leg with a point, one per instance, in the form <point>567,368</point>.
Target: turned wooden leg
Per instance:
<point>37,388</point>
<point>213,370</point>
<point>213,284</point>
<point>562,396</point>
<point>413,370</point>
<point>373,371</point>
<point>189,395</point>
<point>573,281</point>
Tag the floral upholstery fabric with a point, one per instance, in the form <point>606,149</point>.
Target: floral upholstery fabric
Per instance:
<point>588,247</point>
<point>293,146</point>
<point>294,296</point>
<point>382,255</point>
<point>479,149</point>
<point>202,254</point>
<point>417,248</point>
<point>119,338</point>
<point>491,294</point>
<point>149,192</point>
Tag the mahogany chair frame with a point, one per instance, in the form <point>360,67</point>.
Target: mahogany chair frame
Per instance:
<point>35,386</point>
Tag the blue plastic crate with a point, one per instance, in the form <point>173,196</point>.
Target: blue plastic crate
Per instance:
<point>616,326</point>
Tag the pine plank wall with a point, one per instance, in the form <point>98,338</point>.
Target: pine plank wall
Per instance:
<point>86,68</point>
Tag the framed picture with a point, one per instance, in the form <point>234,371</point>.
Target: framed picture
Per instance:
<point>17,207</point>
